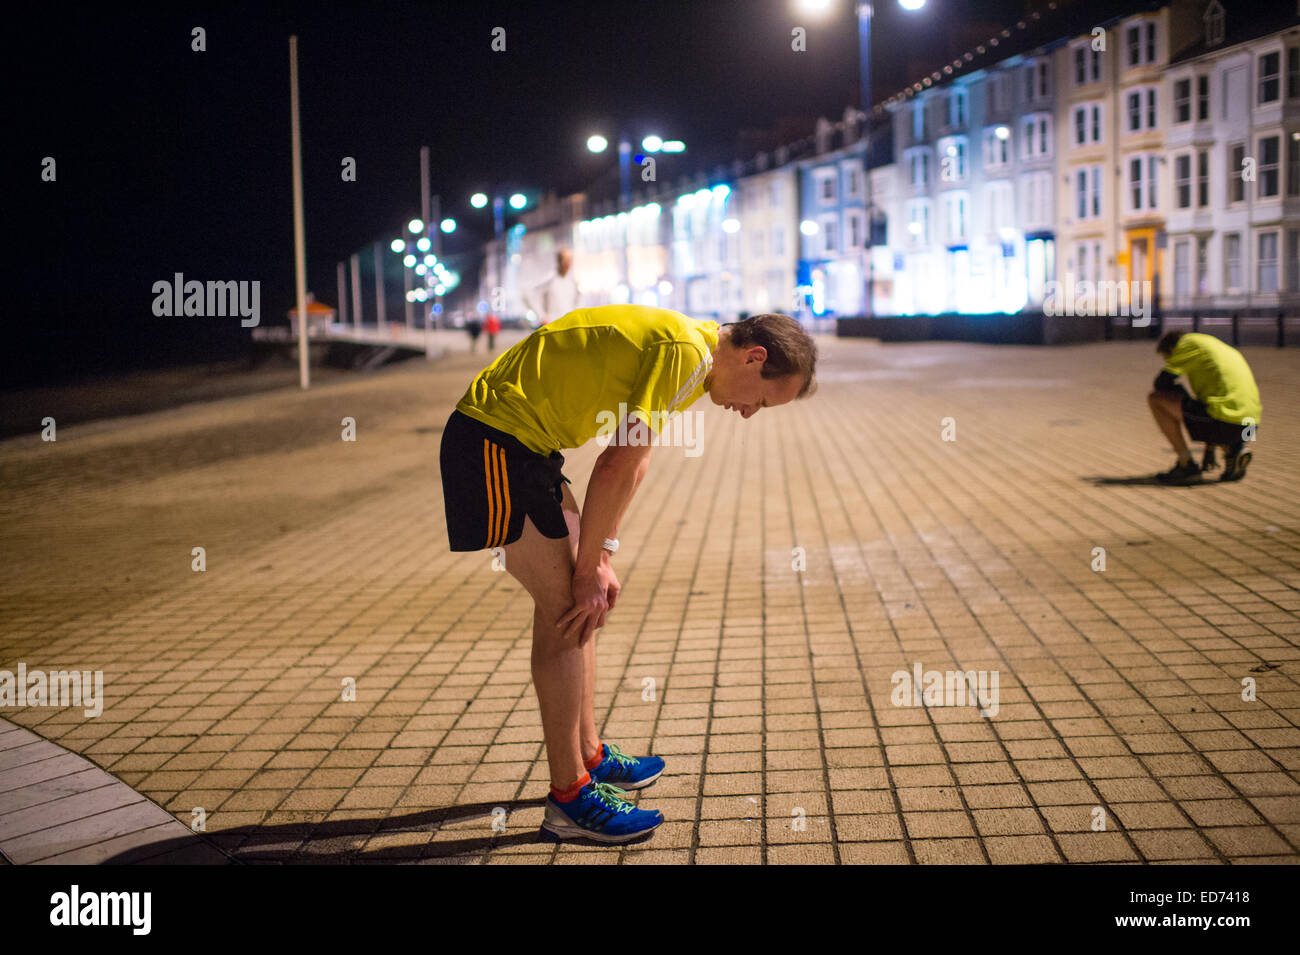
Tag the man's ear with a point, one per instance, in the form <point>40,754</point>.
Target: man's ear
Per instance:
<point>755,353</point>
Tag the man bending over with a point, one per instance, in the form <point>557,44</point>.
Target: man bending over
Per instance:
<point>503,487</point>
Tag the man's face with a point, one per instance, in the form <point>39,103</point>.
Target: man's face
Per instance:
<point>564,262</point>
<point>737,383</point>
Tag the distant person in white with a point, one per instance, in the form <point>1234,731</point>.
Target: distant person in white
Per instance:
<point>558,295</point>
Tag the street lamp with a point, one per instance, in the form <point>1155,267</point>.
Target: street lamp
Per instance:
<point>865,11</point>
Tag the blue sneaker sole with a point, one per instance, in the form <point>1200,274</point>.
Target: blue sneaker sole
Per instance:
<point>573,831</point>
<point>629,786</point>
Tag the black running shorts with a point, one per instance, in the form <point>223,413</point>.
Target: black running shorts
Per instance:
<point>1202,426</point>
<point>490,481</point>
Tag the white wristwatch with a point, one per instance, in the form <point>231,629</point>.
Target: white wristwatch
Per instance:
<point>611,545</point>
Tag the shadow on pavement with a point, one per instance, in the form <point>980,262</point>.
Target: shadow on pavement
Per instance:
<point>1145,480</point>
<point>335,843</point>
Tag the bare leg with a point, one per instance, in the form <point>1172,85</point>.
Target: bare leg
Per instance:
<point>545,567</point>
<point>1168,411</point>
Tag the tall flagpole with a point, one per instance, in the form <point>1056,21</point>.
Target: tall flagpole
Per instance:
<point>299,246</point>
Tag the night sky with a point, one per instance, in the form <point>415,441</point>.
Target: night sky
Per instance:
<point>171,160</point>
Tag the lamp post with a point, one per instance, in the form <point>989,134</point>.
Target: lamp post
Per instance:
<point>518,202</point>
<point>865,12</point>
<point>651,144</point>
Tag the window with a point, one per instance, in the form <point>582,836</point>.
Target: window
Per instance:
<point>918,221</point>
<point>1236,184</point>
<point>1214,25</point>
<point>952,159</point>
<point>1293,164</point>
<point>1203,178</point>
<point>1232,262</point>
<point>1182,269</point>
<point>1293,260</point>
<point>1036,136</point>
<point>1087,64</point>
<point>1087,260</point>
<point>1202,98</point>
<point>1270,88</point>
<point>955,216</point>
<point>1143,180</point>
<point>1086,124</point>
<point>1202,266</point>
<point>996,147</point>
<point>778,240</point>
<point>856,238</point>
<point>756,244</point>
<point>1036,194</point>
<point>957,108</point>
<point>1266,262</point>
<point>1000,207</point>
<point>853,185</point>
<point>918,121</point>
<point>1183,101</point>
<point>825,185</point>
<point>776,193</point>
<point>1268,173</point>
<point>1087,193</point>
<point>997,93</point>
<point>1037,80</point>
<point>830,234</point>
<point>1141,43</point>
<point>1141,103</point>
<point>1183,181</point>
<point>1293,72</point>
<point>919,163</point>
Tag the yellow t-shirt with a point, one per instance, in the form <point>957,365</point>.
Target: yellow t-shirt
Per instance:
<point>579,375</point>
<point>1219,376</point>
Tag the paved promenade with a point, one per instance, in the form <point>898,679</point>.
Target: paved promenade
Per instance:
<point>337,687</point>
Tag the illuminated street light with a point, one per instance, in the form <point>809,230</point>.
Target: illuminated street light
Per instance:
<point>808,227</point>
<point>448,225</point>
<point>416,226</point>
<point>398,246</point>
<point>423,243</point>
<point>674,146</point>
<point>597,143</point>
<point>1002,132</point>
<point>409,261</point>
<point>730,225</point>
<point>652,144</point>
<point>518,201</point>
<point>430,260</point>
<point>478,200</point>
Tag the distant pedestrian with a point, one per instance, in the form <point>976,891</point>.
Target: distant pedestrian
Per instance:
<point>558,295</point>
<point>492,327</point>
<point>1225,410</point>
<point>475,328</point>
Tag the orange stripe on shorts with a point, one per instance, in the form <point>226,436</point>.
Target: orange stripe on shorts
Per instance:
<point>491,492</point>
<point>505,497</point>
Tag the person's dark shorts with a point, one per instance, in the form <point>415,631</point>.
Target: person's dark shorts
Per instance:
<point>490,482</point>
<point>1203,426</point>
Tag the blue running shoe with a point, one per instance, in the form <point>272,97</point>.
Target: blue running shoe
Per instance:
<point>601,813</point>
<point>627,772</point>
